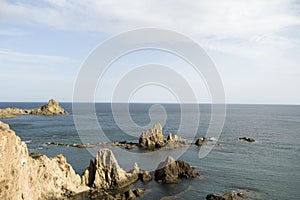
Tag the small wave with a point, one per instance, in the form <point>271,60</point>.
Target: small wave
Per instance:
<point>28,141</point>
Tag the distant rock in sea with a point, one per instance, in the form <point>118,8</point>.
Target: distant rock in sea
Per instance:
<point>51,108</point>
<point>23,177</point>
<point>247,139</point>
<point>170,171</point>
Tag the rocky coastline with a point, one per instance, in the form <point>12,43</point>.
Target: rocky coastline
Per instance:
<point>35,176</point>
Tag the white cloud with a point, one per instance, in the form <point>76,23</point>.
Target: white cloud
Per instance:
<point>13,56</point>
<point>209,17</point>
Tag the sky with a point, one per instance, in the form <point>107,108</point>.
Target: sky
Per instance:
<point>254,44</point>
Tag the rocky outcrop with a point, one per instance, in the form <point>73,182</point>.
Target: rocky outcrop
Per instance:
<point>235,195</point>
<point>12,112</point>
<point>247,139</point>
<point>105,173</point>
<point>152,138</point>
<point>22,177</point>
<point>170,171</point>
<point>51,108</point>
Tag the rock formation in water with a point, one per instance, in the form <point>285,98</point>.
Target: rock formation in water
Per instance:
<point>239,194</point>
<point>247,139</point>
<point>154,139</point>
<point>170,171</point>
<point>22,177</point>
<point>51,108</point>
<point>105,173</point>
<point>201,140</point>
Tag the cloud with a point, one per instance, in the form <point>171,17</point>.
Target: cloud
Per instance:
<point>209,17</point>
<point>13,56</point>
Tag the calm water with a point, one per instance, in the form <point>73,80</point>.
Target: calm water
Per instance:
<point>270,166</point>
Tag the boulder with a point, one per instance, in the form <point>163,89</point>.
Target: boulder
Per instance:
<point>22,177</point>
<point>51,108</point>
<point>105,172</point>
<point>152,138</point>
<point>247,139</point>
<point>170,171</point>
<point>199,141</point>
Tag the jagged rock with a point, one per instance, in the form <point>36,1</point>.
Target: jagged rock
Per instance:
<point>105,172</point>
<point>145,176</point>
<point>173,138</point>
<point>170,171</point>
<point>22,177</point>
<point>152,138</point>
<point>51,108</point>
<point>247,139</point>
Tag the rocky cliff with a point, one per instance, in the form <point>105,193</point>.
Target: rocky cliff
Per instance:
<point>22,177</point>
<point>51,108</point>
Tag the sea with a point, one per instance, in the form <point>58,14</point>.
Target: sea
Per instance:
<point>269,167</point>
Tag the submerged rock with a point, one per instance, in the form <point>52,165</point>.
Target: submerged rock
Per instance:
<point>105,172</point>
<point>247,139</point>
<point>201,140</point>
<point>239,194</point>
<point>170,171</point>
<point>22,177</point>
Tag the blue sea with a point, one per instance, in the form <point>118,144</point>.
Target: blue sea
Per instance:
<point>270,167</point>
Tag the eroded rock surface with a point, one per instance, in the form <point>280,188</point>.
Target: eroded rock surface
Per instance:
<point>170,171</point>
<point>105,173</point>
<point>22,177</point>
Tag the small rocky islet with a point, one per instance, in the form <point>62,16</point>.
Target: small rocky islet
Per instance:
<point>35,176</point>
<point>51,108</point>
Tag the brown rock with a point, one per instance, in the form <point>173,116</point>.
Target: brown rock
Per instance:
<point>51,108</point>
<point>170,171</point>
